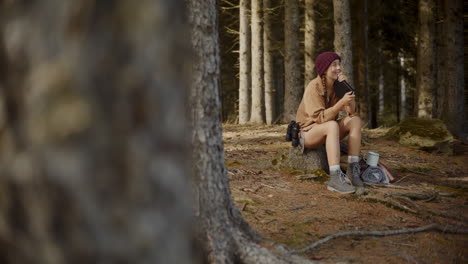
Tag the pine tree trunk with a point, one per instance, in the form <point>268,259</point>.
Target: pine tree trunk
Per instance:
<point>361,82</point>
<point>93,168</point>
<point>226,237</point>
<point>441,60</point>
<point>403,88</point>
<point>244,62</point>
<point>310,40</point>
<point>343,43</point>
<point>454,113</point>
<point>257,112</point>
<point>425,60</point>
<point>381,85</point>
<point>270,91</point>
<point>293,85</point>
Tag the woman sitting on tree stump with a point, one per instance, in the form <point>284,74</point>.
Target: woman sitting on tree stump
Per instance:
<point>318,118</point>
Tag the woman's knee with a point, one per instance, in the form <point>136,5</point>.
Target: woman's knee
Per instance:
<point>332,127</point>
<point>355,121</point>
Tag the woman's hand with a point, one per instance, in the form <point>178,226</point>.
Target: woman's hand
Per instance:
<point>348,98</point>
<point>341,77</point>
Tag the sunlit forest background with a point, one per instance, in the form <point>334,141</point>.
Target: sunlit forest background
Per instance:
<point>384,40</point>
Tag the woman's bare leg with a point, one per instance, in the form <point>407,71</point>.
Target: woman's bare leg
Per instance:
<point>328,133</point>
<point>351,126</point>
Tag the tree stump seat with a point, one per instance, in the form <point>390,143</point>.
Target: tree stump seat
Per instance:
<point>310,160</point>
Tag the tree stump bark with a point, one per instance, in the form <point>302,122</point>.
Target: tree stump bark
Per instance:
<point>310,160</point>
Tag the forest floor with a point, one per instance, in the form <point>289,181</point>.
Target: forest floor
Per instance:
<point>433,189</point>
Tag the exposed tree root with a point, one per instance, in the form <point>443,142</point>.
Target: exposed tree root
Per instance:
<point>387,186</point>
<point>426,196</point>
<point>389,203</point>
<point>431,227</point>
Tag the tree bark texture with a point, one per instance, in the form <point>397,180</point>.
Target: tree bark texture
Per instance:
<point>441,59</point>
<point>293,85</point>
<point>257,111</point>
<point>403,88</point>
<point>225,235</point>
<point>381,84</point>
<point>245,61</point>
<point>454,93</point>
<point>310,40</point>
<point>362,89</point>
<point>425,60</point>
<point>342,42</point>
<point>94,165</point>
<point>268,64</point>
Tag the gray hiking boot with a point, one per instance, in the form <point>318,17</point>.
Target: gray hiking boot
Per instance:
<point>339,183</point>
<point>353,173</point>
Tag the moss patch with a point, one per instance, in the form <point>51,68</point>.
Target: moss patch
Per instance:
<point>233,163</point>
<point>426,134</point>
<point>433,129</point>
<point>300,235</point>
<point>423,169</point>
<point>274,162</point>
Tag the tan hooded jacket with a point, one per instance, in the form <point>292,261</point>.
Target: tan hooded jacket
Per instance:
<point>314,108</point>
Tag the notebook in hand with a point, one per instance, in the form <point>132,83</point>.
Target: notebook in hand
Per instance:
<point>341,88</point>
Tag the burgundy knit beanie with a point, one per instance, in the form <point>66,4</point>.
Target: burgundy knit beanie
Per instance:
<point>324,60</point>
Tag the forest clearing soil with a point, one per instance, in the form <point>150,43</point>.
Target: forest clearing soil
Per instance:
<point>298,213</point>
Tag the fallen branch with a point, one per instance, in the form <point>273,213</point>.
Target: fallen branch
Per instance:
<point>431,227</point>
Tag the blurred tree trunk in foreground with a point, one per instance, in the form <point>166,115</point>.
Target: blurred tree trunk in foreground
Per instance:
<point>225,235</point>
<point>94,165</point>
<point>245,78</point>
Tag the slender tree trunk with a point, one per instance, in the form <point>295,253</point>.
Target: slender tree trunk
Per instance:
<point>381,86</point>
<point>362,89</point>
<point>270,91</point>
<point>454,113</point>
<point>93,168</point>
<point>257,112</point>
<point>343,43</point>
<point>293,84</point>
<point>370,116</point>
<point>402,80</point>
<point>425,60</point>
<point>441,60</point>
<point>226,237</point>
<point>244,62</point>
<point>310,40</point>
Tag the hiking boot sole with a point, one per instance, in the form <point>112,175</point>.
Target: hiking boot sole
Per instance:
<point>330,188</point>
